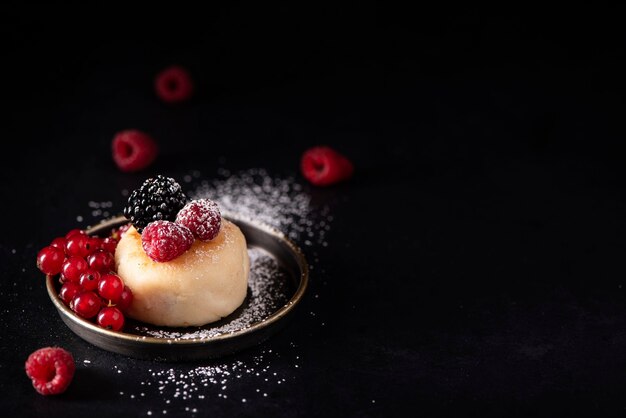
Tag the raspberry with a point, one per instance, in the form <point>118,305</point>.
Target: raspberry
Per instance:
<point>164,240</point>
<point>174,85</point>
<point>323,166</point>
<point>202,217</point>
<point>133,150</point>
<point>51,369</point>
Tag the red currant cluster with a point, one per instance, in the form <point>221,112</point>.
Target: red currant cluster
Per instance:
<point>86,268</point>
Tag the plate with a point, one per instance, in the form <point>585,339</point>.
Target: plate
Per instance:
<point>277,283</point>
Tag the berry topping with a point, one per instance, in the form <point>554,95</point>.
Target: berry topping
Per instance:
<point>86,304</point>
<point>51,369</point>
<point>202,217</point>
<point>50,260</point>
<point>111,317</point>
<point>110,287</point>
<point>174,85</point>
<point>73,267</point>
<point>323,166</point>
<point>158,199</point>
<point>133,150</point>
<point>164,241</point>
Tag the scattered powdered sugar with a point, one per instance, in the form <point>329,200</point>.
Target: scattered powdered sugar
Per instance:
<point>279,202</point>
<point>268,290</point>
<point>187,389</point>
<point>257,196</point>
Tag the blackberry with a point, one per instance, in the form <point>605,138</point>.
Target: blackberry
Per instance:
<point>158,199</point>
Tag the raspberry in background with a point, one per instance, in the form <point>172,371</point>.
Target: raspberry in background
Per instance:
<point>323,166</point>
<point>174,84</point>
<point>133,150</point>
<point>51,370</point>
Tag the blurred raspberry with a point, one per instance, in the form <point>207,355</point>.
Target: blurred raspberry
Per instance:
<point>133,150</point>
<point>323,166</point>
<point>174,85</point>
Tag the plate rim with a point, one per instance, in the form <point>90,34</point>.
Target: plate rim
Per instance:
<point>279,314</point>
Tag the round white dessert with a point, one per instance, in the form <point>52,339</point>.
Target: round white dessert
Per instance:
<point>206,283</point>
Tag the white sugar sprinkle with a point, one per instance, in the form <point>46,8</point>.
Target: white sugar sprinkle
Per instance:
<point>279,202</point>
<point>211,381</point>
<point>256,196</point>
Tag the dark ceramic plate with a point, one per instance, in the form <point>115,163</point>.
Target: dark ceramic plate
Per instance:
<point>278,280</point>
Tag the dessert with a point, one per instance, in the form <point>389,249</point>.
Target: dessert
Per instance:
<point>204,284</point>
<point>176,263</point>
<point>185,265</point>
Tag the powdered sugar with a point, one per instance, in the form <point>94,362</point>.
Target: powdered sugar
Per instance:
<point>188,390</point>
<point>257,196</point>
<point>279,202</point>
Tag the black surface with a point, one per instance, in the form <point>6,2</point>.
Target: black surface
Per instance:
<point>475,264</point>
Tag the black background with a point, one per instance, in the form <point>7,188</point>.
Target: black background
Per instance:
<point>475,264</point>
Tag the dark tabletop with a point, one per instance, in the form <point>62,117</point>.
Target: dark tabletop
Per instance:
<point>474,264</point>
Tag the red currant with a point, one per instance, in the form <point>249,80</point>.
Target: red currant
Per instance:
<point>125,299</point>
<point>68,291</point>
<point>89,279</point>
<point>50,260</point>
<point>73,267</point>
<point>109,244</point>
<point>111,317</point>
<point>86,304</point>
<point>78,244</point>
<point>102,261</point>
<point>74,232</point>
<point>94,244</point>
<point>110,287</point>
<point>58,242</point>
